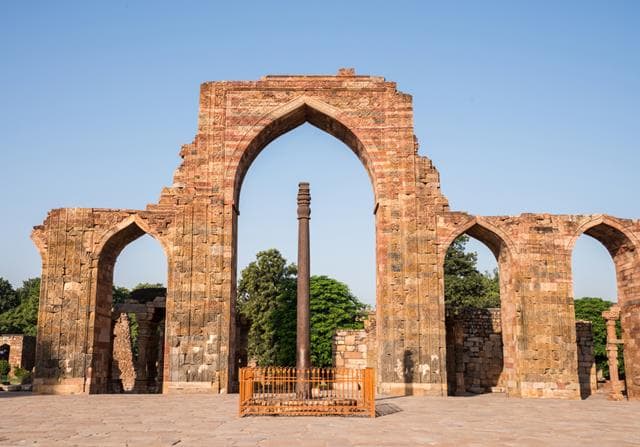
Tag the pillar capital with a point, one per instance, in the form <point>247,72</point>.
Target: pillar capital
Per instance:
<point>304,201</point>
<point>612,314</point>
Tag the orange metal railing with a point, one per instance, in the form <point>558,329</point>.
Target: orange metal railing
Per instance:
<point>307,392</point>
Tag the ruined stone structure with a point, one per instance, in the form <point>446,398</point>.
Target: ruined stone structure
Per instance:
<point>195,221</point>
<point>123,373</point>
<point>141,373</point>
<point>18,350</point>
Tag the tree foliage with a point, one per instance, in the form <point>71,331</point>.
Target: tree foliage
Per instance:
<point>332,306</point>
<point>590,309</point>
<point>23,317</point>
<point>464,285</point>
<point>267,299</point>
<point>120,294</point>
<point>8,296</point>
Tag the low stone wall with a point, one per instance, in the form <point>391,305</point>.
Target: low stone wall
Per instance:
<point>22,350</point>
<point>474,351</point>
<point>356,348</point>
<point>350,348</point>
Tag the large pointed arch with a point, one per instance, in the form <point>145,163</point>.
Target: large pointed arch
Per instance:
<point>283,119</point>
<point>277,122</point>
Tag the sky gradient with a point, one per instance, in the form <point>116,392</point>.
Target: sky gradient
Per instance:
<point>522,108</point>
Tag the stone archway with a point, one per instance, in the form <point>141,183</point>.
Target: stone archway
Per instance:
<point>276,123</point>
<point>100,336</point>
<point>624,248</point>
<point>500,244</point>
<point>374,120</point>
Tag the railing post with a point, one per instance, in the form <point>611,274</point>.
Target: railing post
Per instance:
<point>369,391</point>
<point>241,396</point>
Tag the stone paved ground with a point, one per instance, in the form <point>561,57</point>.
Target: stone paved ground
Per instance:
<point>210,420</point>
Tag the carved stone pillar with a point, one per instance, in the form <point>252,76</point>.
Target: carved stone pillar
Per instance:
<point>611,316</point>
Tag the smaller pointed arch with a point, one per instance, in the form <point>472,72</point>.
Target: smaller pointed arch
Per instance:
<point>479,228</point>
<point>623,246</point>
<point>122,234</point>
<point>503,249</point>
<point>100,324</point>
<point>609,232</point>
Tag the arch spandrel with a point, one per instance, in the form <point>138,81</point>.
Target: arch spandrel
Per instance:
<point>478,227</point>
<point>117,237</point>
<point>285,118</point>
<point>612,232</point>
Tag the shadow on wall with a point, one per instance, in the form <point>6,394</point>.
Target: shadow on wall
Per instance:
<point>586,359</point>
<point>407,372</point>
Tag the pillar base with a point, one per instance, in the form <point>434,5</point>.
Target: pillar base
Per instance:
<point>191,388</point>
<point>60,386</point>
<point>412,389</point>
<point>549,390</point>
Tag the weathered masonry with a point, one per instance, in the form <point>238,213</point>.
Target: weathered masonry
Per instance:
<point>195,221</point>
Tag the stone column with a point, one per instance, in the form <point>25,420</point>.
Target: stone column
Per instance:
<point>611,316</point>
<point>145,331</point>
<point>303,342</point>
<point>160,357</point>
<point>458,337</point>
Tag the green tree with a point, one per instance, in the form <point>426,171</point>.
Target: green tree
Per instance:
<point>120,294</point>
<point>590,309</point>
<point>148,285</point>
<point>23,318</point>
<point>5,368</point>
<point>8,297</point>
<point>332,306</point>
<point>267,297</point>
<point>464,285</point>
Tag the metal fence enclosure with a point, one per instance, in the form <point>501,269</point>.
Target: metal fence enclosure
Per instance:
<point>307,392</point>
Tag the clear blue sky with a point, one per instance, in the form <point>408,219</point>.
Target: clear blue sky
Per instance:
<point>523,107</point>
